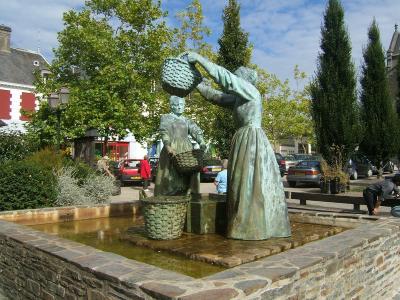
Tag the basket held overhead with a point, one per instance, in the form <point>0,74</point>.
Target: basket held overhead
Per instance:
<point>179,77</point>
<point>189,161</point>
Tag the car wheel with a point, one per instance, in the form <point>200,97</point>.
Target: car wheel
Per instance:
<point>354,176</point>
<point>292,183</point>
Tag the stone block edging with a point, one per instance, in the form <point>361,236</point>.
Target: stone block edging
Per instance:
<point>360,262</point>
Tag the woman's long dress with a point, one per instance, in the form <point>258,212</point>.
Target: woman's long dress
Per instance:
<point>256,205</point>
<point>175,131</point>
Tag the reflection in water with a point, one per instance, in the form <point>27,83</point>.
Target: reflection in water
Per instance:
<point>104,234</point>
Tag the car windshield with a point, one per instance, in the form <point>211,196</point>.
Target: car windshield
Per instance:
<point>132,164</point>
<point>302,156</point>
<point>290,157</point>
<point>278,156</point>
<point>308,163</point>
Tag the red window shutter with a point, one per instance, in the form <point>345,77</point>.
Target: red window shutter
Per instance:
<point>5,104</point>
<point>27,104</point>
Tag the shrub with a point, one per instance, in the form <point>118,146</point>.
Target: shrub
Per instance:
<point>76,190</point>
<point>81,170</point>
<point>15,145</point>
<point>99,187</point>
<point>48,158</point>
<point>69,191</point>
<point>26,184</point>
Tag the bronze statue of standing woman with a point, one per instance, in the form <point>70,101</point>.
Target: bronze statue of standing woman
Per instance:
<point>256,205</point>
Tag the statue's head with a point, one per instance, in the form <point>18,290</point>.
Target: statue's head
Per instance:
<point>177,105</point>
<point>247,74</point>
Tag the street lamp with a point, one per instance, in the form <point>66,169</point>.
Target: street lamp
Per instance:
<point>57,101</point>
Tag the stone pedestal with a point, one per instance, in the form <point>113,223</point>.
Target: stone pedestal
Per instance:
<point>207,215</point>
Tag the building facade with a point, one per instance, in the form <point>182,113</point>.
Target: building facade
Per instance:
<point>392,61</point>
<point>17,68</point>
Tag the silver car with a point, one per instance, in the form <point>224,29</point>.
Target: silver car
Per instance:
<point>304,171</point>
<point>290,161</point>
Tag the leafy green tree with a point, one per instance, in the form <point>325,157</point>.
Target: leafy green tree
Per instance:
<point>378,108</point>
<point>333,91</point>
<point>110,57</point>
<point>286,113</point>
<point>15,145</point>
<point>190,36</point>
<point>234,51</point>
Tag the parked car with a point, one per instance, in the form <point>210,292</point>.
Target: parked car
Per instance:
<point>305,171</point>
<point>129,171</point>
<point>360,165</point>
<point>281,163</point>
<point>304,156</point>
<point>388,166</point>
<point>153,161</point>
<point>114,168</point>
<point>290,161</point>
<point>210,169</point>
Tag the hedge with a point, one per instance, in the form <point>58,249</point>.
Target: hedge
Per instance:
<point>26,184</point>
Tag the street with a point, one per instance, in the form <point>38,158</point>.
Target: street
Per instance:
<point>131,192</point>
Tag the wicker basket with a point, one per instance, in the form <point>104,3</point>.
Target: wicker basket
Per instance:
<point>189,161</point>
<point>164,216</point>
<point>179,77</point>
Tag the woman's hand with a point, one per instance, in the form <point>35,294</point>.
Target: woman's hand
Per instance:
<point>191,57</point>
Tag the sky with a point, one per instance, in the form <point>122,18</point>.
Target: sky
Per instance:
<point>284,33</point>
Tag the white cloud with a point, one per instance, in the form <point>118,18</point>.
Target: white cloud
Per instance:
<point>284,33</point>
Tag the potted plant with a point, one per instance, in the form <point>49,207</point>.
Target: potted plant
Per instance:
<point>334,179</point>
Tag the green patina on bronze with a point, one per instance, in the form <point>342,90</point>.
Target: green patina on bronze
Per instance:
<point>256,206</point>
<point>175,130</point>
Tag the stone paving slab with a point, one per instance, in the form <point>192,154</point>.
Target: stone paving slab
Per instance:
<point>215,249</point>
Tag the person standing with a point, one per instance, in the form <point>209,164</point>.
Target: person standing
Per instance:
<point>221,181</point>
<point>145,172</point>
<point>380,190</point>
<point>256,204</point>
<point>103,166</point>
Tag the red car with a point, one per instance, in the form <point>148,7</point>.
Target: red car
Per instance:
<point>210,170</point>
<point>129,171</point>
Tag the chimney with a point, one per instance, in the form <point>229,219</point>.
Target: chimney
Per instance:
<point>5,33</point>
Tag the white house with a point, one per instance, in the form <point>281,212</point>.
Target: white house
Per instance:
<point>17,67</point>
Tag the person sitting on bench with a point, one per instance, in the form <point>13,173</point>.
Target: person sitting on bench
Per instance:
<point>382,190</point>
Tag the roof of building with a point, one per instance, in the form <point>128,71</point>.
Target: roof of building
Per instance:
<point>395,42</point>
<point>19,65</point>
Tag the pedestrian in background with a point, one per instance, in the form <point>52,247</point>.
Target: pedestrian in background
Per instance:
<point>103,166</point>
<point>377,192</point>
<point>145,173</point>
<point>221,181</point>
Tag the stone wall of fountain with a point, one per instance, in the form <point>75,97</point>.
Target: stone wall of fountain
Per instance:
<point>361,262</point>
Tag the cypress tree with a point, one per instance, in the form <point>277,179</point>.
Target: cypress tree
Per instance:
<point>333,90</point>
<point>378,108</point>
<point>233,53</point>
